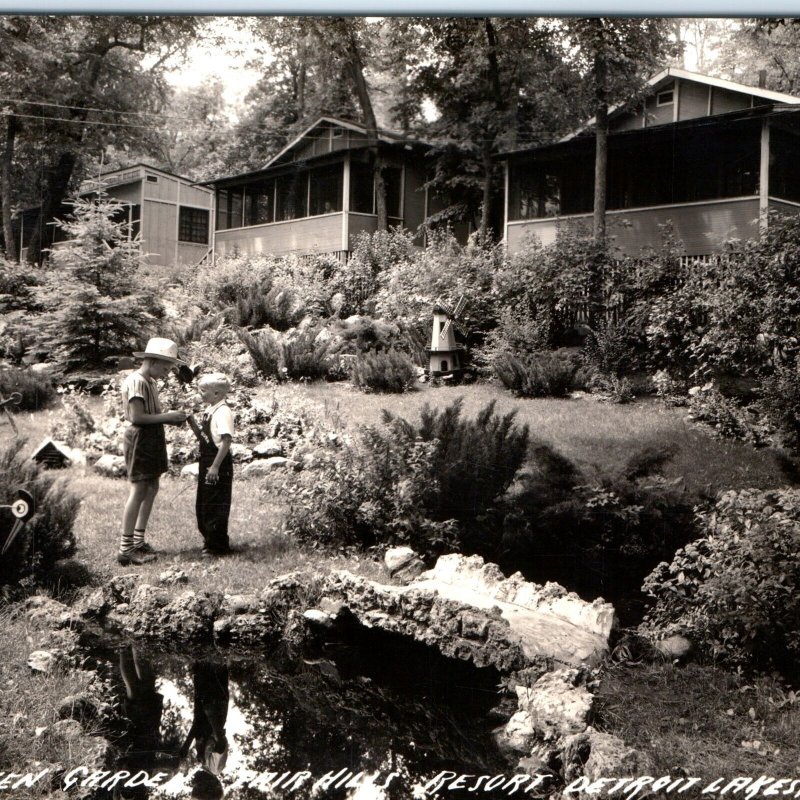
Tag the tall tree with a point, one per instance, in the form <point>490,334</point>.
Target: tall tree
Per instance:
<point>73,75</point>
<point>493,82</point>
<point>616,56</point>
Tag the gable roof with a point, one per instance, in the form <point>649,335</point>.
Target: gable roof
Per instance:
<point>670,73</point>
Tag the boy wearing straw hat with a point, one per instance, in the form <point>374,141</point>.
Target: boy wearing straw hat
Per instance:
<point>144,445</point>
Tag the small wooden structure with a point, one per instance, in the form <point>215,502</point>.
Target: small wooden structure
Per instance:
<point>445,357</point>
<point>51,455</point>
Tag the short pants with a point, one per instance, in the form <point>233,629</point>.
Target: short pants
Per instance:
<point>145,450</point>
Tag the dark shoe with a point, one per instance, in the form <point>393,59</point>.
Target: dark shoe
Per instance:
<point>145,547</point>
<point>135,557</point>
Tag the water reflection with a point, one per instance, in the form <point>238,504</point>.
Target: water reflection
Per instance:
<point>371,712</point>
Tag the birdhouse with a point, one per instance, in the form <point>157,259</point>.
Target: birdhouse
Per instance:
<point>52,455</point>
<point>445,357</point>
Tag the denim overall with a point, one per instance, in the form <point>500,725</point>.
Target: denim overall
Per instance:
<point>213,500</point>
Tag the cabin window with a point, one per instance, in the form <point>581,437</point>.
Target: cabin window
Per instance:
<point>362,189</point>
<point>230,203</point>
<point>444,366</point>
<point>538,196</point>
<point>152,178</point>
<point>325,190</point>
<point>665,98</point>
<point>259,202</point>
<point>337,133</point>
<point>130,216</point>
<point>292,196</point>
<point>193,225</point>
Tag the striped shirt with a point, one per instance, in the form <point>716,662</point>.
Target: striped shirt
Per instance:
<point>136,385</point>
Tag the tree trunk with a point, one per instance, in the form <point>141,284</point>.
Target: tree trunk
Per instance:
<point>58,179</point>
<point>601,147</point>
<point>356,67</point>
<point>486,206</point>
<point>489,135</point>
<point>5,187</point>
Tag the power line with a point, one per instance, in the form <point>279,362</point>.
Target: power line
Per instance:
<point>90,108</point>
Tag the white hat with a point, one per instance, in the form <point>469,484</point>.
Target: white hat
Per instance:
<point>164,349</point>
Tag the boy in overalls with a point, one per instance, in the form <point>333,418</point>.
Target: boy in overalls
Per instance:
<point>215,478</point>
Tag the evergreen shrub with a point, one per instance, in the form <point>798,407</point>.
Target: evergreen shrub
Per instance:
<point>542,374</point>
<point>389,371</point>
<point>48,536</point>
<point>435,485</point>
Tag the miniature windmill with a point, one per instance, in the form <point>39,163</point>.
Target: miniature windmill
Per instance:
<point>445,355</point>
<point>12,400</point>
<point>22,509</point>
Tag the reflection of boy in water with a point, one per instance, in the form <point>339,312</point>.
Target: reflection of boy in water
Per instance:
<point>142,706</point>
<point>208,728</point>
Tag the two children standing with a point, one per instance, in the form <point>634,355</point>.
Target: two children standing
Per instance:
<point>145,451</point>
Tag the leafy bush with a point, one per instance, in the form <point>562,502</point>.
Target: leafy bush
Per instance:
<point>17,284</point>
<point>535,375</point>
<point>596,534</point>
<point>735,590</point>
<point>48,536</point>
<point>220,348</point>
<point>436,485</point>
<point>726,417</point>
<point>383,372</point>
<point>37,390</point>
<point>780,402</point>
<point>278,307</point>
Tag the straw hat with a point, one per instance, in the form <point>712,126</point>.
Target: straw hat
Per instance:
<point>163,349</point>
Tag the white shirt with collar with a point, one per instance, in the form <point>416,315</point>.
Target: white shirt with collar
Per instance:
<point>221,418</point>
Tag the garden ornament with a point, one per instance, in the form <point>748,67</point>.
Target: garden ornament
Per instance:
<point>444,354</point>
<point>22,509</point>
<point>13,399</point>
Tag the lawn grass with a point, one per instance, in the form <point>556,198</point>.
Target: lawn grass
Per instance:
<point>704,721</point>
<point>599,437</point>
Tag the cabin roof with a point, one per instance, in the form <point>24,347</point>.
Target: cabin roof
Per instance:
<point>142,165</point>
<point>384,135</point>
<point>670,73</point>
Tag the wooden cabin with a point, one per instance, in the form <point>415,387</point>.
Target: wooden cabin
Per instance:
<point>707,155</point>
<point>318,193</point>
<point>172,215</point>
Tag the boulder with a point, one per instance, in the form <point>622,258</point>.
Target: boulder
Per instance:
<point>403,564</point>
<point>601,755</point>
<point>81,707</point>
<point>675,648</point>
<point>191,471</point>
<point>265,465</point>
<point>154,614</point>
<point>42,368</point>
<point>268,448</point>
<point>110,465</point>
<point>41,608</point>
<point>42,661</point>
<point>172,576</point>
<point>557,705</point>
<point>239,453</point>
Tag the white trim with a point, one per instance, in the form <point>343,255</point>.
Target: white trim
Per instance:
<point>587,214</point>
<point>782,200</point>
<point>506,196</point>
<point>670,102</point>
<point>178,223</point>
<point>283,222</point>
<point>346,203</point>
<point>763,178</point>
<point>676,99</point>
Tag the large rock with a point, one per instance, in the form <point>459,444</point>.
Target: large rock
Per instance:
<point>268,448</point>
<point>189,617</point>
<point>595,755</point>
<point>403,564</point>
<point>110,465</point>
<point>557,705</point>
<point>42,661</point>
<point>264,466</point>
<point>191,471</point>
<point>467,609</point>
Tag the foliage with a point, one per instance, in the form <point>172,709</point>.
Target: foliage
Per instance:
<point>37,390</point>
<point>358,334</point>
<point>536,375</point>
<point>595,533</point>
<point>305,358</point>
<point>727,418</point>
<point>219,348</point>
<point>48,536</point>
<point>265,352</point>
<point>780,401</point>
<point>389,371</point>
<point>735,590</point>
<point>434,485</point>
<point>17,284</point>
<point>94,306</point>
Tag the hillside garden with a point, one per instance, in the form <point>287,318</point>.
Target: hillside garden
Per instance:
<point>629,430</point>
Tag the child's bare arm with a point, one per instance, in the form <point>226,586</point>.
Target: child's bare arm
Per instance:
<point>224,446</point>
<point>195,427</point>
<point>140,417</point>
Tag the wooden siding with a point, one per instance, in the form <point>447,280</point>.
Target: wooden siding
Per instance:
<point>783,206</point>
<point>321,234</point>
<point>661,115</point>
<point>413,199</point>
<point>159,229</point>
<point>702,227</point>
<point>723,101</point>
<point>164,189</point>
<point>692,100</point>
<point>196,196</point>
<point>127,193</point>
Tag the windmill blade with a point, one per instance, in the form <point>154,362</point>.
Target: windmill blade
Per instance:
<point>16,528</point>
<point>446,328</point>
<point>446,307</point>
<point>460,306</point>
